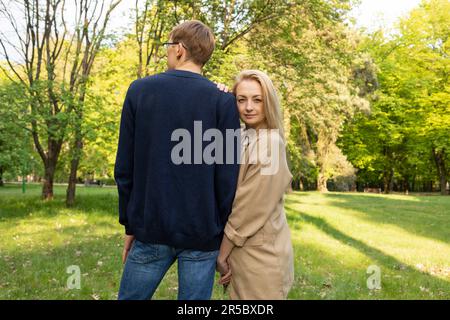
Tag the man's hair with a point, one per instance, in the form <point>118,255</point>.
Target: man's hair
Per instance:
<point>197,38</point>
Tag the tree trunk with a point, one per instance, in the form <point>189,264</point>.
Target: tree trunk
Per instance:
<point>443,184</point>
<point>439,158</point>
<point>76,155</point>
<point>406,186</point>
<point>50,161</point>
<point>1,177</point>
<point>322,183</point>
<point>387,181</point>
<point>76,152</point>
<point>71,188</point>
<point>47,187</point>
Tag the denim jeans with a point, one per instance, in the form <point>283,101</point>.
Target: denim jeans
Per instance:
<point>147,264</point>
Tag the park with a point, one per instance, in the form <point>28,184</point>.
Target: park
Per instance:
<point>366,119</point>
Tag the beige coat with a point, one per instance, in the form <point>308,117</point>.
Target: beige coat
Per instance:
<point>262,260</point>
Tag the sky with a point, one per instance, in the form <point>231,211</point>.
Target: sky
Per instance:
<point>370,14</point>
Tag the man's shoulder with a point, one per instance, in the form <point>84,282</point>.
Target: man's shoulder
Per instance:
<point>203,84</point>
<point>147,80</point>
<point>227,98</point>
<point>164,77</point>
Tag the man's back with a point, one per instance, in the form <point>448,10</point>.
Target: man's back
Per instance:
<point>181,205</point>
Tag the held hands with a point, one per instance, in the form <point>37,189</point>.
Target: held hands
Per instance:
<point>127,247</point>
<point>224,263</point>
<point>224,268</point>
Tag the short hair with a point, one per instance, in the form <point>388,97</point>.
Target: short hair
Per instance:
<point>197,38</point>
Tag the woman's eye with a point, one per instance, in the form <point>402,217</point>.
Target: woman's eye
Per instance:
<point>241,100</point>
<point>257,100</point>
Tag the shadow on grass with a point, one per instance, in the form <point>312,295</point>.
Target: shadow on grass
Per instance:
<point>379,256</point>
<point>41,273</point>
<point>425,216</point>
<point>19,207</point>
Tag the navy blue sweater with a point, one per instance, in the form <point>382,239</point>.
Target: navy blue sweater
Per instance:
<point>181,205</point>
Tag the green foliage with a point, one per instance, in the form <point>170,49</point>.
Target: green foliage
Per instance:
<point>408,129</point>
<point>313,58</point>
<point>326,75</point>
<point>16,150</point>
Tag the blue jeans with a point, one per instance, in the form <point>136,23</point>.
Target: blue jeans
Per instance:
<point>147,264</point>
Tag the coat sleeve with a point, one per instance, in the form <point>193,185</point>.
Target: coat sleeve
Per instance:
<point>258,195</point>
<point>123,168</point>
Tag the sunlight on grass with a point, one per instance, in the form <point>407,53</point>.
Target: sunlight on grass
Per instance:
<point>384,236</point>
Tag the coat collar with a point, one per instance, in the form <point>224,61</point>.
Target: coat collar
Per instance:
<point>184,74</point>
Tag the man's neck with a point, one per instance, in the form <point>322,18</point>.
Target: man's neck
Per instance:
<point>189,66</point>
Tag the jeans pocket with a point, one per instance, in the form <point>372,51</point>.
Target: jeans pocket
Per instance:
<point>143,252</point>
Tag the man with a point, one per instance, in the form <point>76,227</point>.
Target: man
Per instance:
<point>170,210</point>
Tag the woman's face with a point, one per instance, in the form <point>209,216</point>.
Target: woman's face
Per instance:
<point>250,103</point>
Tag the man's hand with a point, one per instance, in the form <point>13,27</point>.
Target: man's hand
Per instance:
<point>127,247</point>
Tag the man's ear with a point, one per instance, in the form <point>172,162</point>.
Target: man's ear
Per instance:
<point>179,50</point>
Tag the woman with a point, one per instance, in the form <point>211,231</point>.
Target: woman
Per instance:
<point>256,255</point>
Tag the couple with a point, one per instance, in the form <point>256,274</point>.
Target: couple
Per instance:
<point>227,216</point>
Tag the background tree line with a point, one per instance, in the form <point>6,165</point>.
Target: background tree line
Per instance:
<point>360,110</point>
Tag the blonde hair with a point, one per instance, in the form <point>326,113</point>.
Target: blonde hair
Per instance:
<point>271,101</point>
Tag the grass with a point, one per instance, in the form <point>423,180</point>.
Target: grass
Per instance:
<point>336,237</point>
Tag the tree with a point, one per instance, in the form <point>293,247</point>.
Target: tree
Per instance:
<point>318,84</point>
<point>229,20</point>
<point>407,134</point>
<point>53,71</point>
<point>89,35</point>
<point>16,150</point>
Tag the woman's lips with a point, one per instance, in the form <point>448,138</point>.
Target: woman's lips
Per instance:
<point>250,116</point>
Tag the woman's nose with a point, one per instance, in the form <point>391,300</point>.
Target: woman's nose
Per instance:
<point>249,107</point>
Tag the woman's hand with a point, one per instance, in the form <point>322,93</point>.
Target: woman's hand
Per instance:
<point>223,262</point>
<point>222,265</point>
<point>226,278</point>
<point>224,268</point>
<point>222,87</point>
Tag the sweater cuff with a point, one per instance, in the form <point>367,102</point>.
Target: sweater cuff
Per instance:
<point>128,231</point>
<point>234,236</point>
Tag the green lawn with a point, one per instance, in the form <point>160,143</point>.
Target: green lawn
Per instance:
<point>336,236</point>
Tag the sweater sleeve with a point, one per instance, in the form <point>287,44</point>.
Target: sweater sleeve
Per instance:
<point>123,168</point>
<point>258,194</point>
<point>226,173</point>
